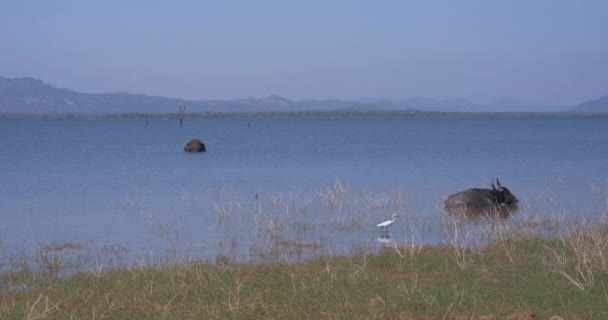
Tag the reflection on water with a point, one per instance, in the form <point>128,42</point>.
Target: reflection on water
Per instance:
<point>385,238</point>
<point>493,213</point>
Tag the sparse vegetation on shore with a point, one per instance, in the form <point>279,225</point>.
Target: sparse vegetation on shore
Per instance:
<point>510,279</point>
<point>519,267</point>
<point>498,269</point>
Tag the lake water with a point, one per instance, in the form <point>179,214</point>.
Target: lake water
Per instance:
<point>301,187</point>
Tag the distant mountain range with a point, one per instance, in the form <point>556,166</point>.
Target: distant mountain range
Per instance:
<point>599,105</point>
<point>28,95</point>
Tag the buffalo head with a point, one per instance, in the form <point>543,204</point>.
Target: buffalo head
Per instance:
<point>502,195</point>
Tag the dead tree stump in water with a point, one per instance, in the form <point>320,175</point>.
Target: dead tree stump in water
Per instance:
<point>182,111</point>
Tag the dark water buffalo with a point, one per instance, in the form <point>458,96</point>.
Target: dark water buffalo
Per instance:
<point>195,145</point>
<point>496,200</point>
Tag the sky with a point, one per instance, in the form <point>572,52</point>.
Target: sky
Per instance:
<point>542,52</point>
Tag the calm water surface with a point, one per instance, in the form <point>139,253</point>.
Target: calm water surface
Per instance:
<point>129,184</point>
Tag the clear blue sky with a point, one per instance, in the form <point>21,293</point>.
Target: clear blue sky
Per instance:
<point>553,52</point>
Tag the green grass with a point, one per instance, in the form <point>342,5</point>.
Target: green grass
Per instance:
<point>508,279</point>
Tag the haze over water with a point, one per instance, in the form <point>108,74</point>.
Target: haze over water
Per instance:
<point>129,184</point>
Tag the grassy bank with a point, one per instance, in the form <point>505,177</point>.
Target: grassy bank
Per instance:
<point>519,267</point>
<point>515,278</point>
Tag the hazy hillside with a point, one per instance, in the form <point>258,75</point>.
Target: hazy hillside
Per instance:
<point>28,95</point>
<point>599,105</point>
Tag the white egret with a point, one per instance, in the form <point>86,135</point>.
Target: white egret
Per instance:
<point>387,223</point>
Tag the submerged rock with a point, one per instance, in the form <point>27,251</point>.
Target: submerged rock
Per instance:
<point>195,145</point>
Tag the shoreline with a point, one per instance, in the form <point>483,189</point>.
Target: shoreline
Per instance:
<point>517,277</point>
<point>315,115</point>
